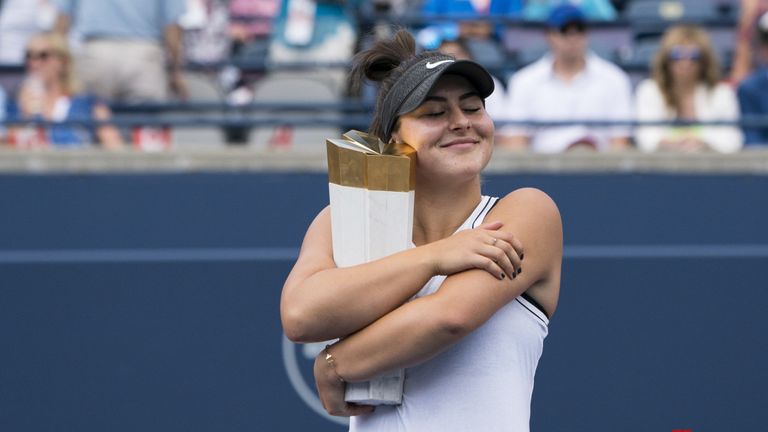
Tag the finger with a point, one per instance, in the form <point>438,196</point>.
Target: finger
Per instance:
<point>508,259</point>
<point>491,226</point>
<point>516,244</point>
<point>501,259</point>
<point>489,264</point>
<point>355,409</point>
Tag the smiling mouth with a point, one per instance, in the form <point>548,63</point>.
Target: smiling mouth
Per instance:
<point>461,143</point>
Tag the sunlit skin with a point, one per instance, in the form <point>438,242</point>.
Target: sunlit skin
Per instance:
<point>451,132</point>
<point>453,138</point>
<point>46,84</point>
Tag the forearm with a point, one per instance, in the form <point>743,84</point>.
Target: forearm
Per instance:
<point>723,139</point>
<point>409,335</point>
<point>62,24</point>
<point>173,45</point>
<point>336,302</point>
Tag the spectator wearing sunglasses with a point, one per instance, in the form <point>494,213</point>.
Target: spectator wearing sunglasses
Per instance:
<point>685,86</point>
<point>569,84</point>
<point>753,91</point>
<point>51,92</point>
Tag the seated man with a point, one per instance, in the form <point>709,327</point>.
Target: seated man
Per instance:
<point>753,97</point>
<point>567,84</point>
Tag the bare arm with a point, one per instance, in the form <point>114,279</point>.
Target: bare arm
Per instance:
<point>62,24</point>
<point>321,302</point>
<point>426,326</point>
<point>619,143</point>
<point>108,135</point>
<point>173,43</point>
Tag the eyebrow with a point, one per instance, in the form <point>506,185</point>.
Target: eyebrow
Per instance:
<point>442,99</point>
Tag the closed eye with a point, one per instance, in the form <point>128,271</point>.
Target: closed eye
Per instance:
<point>434,114</point>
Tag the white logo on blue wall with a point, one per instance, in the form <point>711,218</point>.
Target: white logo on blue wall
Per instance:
<point>299,360</point>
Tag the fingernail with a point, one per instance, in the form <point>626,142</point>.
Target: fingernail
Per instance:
<point>502,276</point>
<point>522,256</point>
<point>514,275</point>
<point>520,270</point>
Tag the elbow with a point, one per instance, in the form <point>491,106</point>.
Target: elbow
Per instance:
<point>295,325</point>
<point>453,325</point>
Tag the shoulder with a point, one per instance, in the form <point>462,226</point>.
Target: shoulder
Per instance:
<point>723,89</point>
<point>648,87</point>
<point>529,204</point>
<point>607,70</point>
<point>533,72</point>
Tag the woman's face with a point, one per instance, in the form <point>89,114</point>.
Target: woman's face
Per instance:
<point>451,131</point>
<point>684,63</point>
<point>43,61</point>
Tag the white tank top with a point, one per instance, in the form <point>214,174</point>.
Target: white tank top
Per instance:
<point>482,383</point>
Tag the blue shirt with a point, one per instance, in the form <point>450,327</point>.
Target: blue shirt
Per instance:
<point>753,101</point>
<point>122,19</point>
<point>68,135</point>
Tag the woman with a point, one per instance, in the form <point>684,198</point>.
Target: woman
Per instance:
<point>459,310</point>
<point>685,85</point>
<point>50,92</point>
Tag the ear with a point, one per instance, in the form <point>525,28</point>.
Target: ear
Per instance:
<point>395,137</point>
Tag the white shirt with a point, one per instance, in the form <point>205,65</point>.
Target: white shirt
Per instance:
<point>718,103</point>
<point>601,91</point>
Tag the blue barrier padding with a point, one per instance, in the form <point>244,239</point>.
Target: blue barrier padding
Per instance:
<point>150,302</point>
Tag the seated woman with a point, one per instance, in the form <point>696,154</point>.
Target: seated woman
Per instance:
<point>50,92</point>
<point>685,85</point>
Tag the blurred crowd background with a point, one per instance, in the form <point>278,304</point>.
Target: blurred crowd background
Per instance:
<point>593,75</point>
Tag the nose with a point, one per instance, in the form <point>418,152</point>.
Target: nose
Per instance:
<point>459,119</point>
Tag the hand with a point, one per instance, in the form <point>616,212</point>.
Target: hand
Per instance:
<point>331,391</point>
<point>178,84</point>
<point>692,144</point>
<point>485,247</point>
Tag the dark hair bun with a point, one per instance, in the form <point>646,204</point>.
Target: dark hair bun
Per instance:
<point>378,62</point>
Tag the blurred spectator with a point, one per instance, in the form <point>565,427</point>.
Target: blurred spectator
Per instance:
<point>250,30</point>
<point>123,57</point>
<point>470,23</point>
<point>50,92</point>
<point>743,57</point>
<point>206,37</point>
<point>20,20</point>
<point>314,30</point>
<point>753,91</point>
<point>235,32</point>
<point>494,104</point>
<point>567,84</point>
<point>250,27</point>
<point>598,10</point>
<point>685,85</point>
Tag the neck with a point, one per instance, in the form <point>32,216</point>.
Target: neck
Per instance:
<point>567,68</point>
<point>439,211</point>
<point>53,88</point>
<point>684,90</point>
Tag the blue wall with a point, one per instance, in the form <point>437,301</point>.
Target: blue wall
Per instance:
<point>150,302</point>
